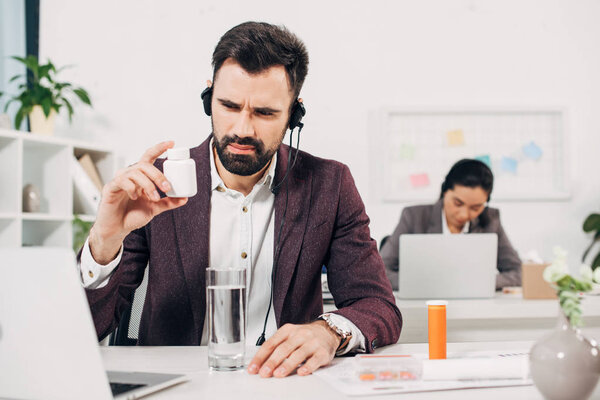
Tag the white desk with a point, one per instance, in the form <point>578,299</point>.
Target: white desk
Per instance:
<point>240,385</point>
<point>504,317</point>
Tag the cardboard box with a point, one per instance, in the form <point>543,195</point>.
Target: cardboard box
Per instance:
<point>534,285</point>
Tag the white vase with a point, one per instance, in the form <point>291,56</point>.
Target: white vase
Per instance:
<point>38,123</point>
<point>564,364</point>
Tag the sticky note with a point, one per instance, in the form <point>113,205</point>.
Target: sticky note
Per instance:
<point>456,137</point>
<point>509,164</point>
<point>485,158</point>
<point>533,151</point>
<point>419,180</point>
<point>407,151</point>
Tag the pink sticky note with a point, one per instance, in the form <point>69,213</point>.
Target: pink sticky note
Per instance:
<point>419,180</point>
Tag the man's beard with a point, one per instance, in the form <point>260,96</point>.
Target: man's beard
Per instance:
<point>243,164</point>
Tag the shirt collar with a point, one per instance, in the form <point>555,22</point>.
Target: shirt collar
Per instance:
<point>446,228</point>
<point>216,181</point>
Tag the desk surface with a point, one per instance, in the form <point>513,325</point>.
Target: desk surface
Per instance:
<point>203,383</point>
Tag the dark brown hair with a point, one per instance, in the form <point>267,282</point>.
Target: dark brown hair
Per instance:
<point>257,46</point>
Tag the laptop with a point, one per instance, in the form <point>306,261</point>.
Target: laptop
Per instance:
<point>48,344</point>
<point>438,266</point>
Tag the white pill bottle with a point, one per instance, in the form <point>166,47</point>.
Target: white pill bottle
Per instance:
<point>180,171</point>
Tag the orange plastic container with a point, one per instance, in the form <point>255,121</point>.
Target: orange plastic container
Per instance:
<point>436,323</point>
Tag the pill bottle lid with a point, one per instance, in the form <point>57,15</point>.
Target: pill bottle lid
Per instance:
<point>178,153</point>
<point>437,303</point>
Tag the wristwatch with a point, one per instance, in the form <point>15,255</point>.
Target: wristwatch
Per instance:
<point>344,334</point>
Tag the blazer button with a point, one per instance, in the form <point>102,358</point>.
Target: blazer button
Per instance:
<point>374,343</point>
<point>91,274</point>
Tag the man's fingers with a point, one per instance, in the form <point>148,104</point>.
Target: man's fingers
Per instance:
<point>142,181</point>
<point>267,348</point>
<point>153,152</point>
<point>280,354</point>
<point>155,176</point>
<point>319,358</point>
<point>290,364</point>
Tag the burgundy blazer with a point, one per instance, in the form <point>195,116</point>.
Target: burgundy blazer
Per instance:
<point>326,224</point>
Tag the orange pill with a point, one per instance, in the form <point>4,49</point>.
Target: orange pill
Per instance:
<point>436,320</point>
<point>367,377</point>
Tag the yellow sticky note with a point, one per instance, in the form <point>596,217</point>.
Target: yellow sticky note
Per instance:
<point>456,137</point>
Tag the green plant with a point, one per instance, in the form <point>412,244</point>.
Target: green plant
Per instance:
<point>81,230</point>
<point>40,87</point>
<point>569,288</point>
<point>592,225</point>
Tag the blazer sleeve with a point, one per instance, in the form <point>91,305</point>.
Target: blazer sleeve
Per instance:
<point>108,303</point>
<point>509,263</point>
<point>391,248</point>
<point>356,273</point>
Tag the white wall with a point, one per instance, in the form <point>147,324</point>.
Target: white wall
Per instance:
<point>146,62</point>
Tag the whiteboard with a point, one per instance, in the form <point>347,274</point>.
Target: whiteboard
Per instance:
<point>414,149</point>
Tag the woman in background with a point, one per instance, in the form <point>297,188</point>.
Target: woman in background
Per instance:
<point>462,208</point>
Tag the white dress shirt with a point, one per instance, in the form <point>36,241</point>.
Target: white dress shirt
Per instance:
<point>446,229</point>
<point>241,236</point>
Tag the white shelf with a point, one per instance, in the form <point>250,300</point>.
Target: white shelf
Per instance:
<point>45,162</point>
<point>46,217</point>
<point>87,217</point>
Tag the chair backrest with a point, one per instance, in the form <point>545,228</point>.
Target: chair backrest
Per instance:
<point>127,332</point>
<point>385,238</point>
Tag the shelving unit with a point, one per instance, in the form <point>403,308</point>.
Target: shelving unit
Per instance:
<point>44,162</point>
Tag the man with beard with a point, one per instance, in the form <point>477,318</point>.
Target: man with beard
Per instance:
<point>278,212</point>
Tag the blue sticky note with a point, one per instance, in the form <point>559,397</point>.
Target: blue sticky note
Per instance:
<point>509,164</point>
<point>485,159</point>
<point>532,150</point>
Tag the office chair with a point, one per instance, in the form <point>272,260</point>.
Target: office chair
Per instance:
<point>385,238</point>
<point>127,332</point>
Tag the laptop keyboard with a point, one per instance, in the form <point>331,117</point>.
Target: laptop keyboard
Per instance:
<point>118,388</point>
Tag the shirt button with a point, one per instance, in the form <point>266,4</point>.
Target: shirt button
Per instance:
<point>245,209</point>
<point>91,274</point>
<point>244,255</point>
<point>220,189</point>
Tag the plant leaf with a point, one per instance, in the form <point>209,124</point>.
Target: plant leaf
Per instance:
<point>46,106</point>
<point>83,96</point>
<point>596,262</point>
<point>69,108</point>
<point>14,78</point>
<point>596,239</point>
<point>592,223</point>
<point>19,118</point>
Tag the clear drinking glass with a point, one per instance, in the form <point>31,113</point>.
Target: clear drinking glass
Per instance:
<point>226,305</point>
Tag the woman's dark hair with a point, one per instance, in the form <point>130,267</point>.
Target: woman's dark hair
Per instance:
<point>470,173</point>
<point>257,46</point>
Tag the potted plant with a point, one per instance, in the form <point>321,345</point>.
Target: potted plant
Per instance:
<point>565,364</point>
<point>41,96</point>
<point>592,225</point>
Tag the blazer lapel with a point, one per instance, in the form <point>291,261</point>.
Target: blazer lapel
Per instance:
<point>435,219</point>
<point>296,217</point>
<point>192,228</point>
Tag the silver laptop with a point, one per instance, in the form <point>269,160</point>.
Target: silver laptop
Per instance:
<point>48,344</point>
<point>438,266</point>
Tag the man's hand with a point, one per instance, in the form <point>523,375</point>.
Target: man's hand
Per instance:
<point>129,202</point>
<point>313,344</point>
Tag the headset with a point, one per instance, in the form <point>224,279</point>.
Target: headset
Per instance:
<point>298,111</point>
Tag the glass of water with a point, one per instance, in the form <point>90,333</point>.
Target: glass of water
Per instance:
<point>226,306</point>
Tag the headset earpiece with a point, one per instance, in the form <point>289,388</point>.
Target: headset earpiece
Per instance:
<point>207,100</point>
<point>298,111</point>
